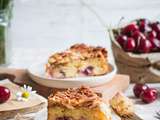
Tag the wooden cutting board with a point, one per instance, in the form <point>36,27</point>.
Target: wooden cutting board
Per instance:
<point>20,77</point>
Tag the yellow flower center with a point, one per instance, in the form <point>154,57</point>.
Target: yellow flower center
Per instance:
<point>25,94</point>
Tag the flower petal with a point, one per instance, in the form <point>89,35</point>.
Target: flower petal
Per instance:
<point>24,99</point>
<point>18,94</point>
<point>33,92</point>
<point>24,86</point>
<point>29,88</point>
<point>19,98</point>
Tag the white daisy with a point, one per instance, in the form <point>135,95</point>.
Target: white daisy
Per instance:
<point>25,93</point>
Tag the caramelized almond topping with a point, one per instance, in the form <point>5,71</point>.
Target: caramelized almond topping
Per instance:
<point>75,97</point>
<point>77,51</point>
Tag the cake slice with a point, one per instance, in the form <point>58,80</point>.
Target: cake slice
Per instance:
<point>122,105</point>
<point>78,60</point>
<point>77,104</point>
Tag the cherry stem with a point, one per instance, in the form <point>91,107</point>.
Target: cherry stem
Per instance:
<point>142,79</point>
<point>119,23</point>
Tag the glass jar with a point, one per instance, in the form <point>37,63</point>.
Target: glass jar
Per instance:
<point>5,18</point>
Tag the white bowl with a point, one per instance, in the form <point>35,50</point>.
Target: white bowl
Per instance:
<point>37,73</point>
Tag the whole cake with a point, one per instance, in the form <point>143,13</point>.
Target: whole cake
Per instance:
<point>77,104</point>
<point>78,60</point>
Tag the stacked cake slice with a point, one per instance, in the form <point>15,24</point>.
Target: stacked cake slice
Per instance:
<point>77,104</point>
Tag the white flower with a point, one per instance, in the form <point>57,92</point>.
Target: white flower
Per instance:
<point>25,93</point>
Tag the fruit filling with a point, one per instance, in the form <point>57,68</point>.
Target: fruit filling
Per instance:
<point>69,118</point>
<point>88,70</point>
<point>64,118</point>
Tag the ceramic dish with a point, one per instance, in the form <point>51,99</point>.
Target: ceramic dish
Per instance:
<point>37,73</point>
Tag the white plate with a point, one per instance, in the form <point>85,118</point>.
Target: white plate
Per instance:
<point>37,73</point>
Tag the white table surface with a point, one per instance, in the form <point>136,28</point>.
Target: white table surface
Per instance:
<point>145,111</point>
<point>40,27</point>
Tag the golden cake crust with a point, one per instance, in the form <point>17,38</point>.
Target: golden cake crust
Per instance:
<point>89,51</point>
<point>77,51</point>
<point>75,98</point>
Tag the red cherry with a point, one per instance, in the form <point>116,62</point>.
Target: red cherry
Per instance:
<point>138,89</point>
<point>149,95</point>
<point>4,94</point>
<point>137,35</point>
<point>151,35</point>
<point>130,45</point>
<point>129,29</point>
<point>158,36</point>
<point>142,21</point>
<point>155,26</point>
<point>145,46</point>
<point>88,70</point>
<point>122,39</point>
<point>144,27</point>
<point>155,44</point>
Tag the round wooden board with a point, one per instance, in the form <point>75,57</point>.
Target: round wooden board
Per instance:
<point>13,107</point>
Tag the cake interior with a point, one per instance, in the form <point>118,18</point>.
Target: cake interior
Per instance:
<point>61,113</point>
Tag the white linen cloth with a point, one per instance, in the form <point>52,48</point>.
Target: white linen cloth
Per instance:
<point>145,111</point>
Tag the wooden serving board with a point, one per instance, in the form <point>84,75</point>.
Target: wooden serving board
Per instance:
<point>20,77</point>
<point>12,107</point>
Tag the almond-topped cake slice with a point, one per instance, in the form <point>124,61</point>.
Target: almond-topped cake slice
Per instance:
<point>78,60</point>
<point>77,104</point>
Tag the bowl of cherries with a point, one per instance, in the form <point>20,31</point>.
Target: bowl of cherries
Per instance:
<point>139,36</point>
<point>136,48</point>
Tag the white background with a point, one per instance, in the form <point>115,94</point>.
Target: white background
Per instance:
<point>40,27</point>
